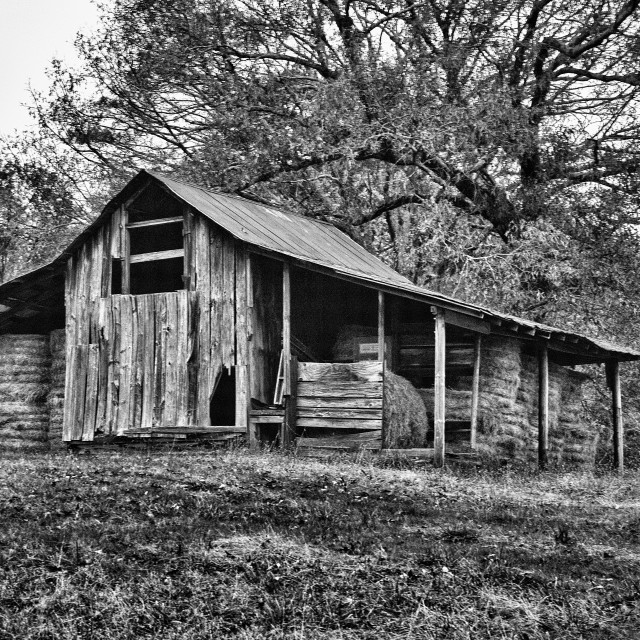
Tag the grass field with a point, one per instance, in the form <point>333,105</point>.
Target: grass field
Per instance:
<point>237,545</point>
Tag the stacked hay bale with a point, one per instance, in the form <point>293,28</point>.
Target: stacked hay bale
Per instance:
<point>55,399</point>
<point>404,417</point>
<point>457,402</point>
<point>508,408</point>
<point>25,369</point>
<point>500,427</point>
<point>579,437</point>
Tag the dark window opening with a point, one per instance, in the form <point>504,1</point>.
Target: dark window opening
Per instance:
<point>156,276</point>
<point>152,204</point>
<point>223,402</point>
<point>163,237</point>
<point>116,276</point>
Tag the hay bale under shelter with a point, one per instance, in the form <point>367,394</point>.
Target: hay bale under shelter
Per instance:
<point>405,417</point>
<point>25,371</point>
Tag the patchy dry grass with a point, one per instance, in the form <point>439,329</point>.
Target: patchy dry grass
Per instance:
<point>206,545</point>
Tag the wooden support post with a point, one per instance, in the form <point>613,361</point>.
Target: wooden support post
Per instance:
<point>289,424</point>
<point>439,391</point>
<point>286,327</point>
<point>543,406</point>
<point>616,406</point>
<point>187,242</point>
<point>475,390</point>
<point>381,326</point>
<point>395,333</point>
<point>126,252</point>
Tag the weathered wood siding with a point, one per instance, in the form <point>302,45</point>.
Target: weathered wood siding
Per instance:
<point>151,361</point>
<point>340,396</point>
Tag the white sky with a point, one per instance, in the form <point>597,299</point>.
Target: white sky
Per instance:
<point>31,33</point>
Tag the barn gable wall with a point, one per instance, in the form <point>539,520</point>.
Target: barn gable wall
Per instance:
<point>150,361</point>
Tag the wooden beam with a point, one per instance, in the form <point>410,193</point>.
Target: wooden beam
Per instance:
<point>475,390</point>
<point>380,326</point>
<point>286,327</point>
<point>466,322</point>
<point>154,223</point>
<point>543,405</point>
<point>439,390</point>
<point>154,255</point>
<point>125,245</point>
<point>616,406</point>
<point>395,333</point>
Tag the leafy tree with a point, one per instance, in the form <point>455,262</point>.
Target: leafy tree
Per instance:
<point>352,109</point>
<point>39,210</point>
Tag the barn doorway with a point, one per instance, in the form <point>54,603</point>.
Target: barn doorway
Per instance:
<point>222,409</point>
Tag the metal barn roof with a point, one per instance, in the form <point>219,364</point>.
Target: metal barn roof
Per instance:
<point>306,240</point>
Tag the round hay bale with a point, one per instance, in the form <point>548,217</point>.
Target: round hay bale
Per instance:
<point>405,417</point>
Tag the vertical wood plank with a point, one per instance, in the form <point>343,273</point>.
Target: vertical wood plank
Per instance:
<point>81,365</point>
<point>475,390</point>
<point>137,381</point>
<point>381,354</point>
<point>216,284</point>
<point>286,326</point>
<point>439,391</point>
<point>543,406</point>
<point>200,235</point>
<point>243,396</point>
<point>116,233</point>
<point>147,318</point>
<point>395,333</point>
<point>91,394</point>
<point>187,241</point>
<point>618,426</point>
<point>171,356</point>
<point>181,364</point>
<point>126,251</point>
<point>105,285</point>
<point>126,360</point>
<point>227,338</point>
<point>115,363</point>
<point>160,360</point>
<point>104,337</point>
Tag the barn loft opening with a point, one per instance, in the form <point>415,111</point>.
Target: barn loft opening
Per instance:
<point>156,244</point>
<point>222,408</point>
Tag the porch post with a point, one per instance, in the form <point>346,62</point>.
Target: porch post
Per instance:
<point>286,328</point>
<point>616,406</point>
<point>439,391</point>
<point>475,391</point>
<point>543,406</point>
<point>381,326</point>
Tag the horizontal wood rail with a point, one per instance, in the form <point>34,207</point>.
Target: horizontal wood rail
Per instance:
<point>154,223</point>
<point>157,255</point>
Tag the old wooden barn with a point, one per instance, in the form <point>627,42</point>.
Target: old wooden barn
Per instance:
<point>185,313</point>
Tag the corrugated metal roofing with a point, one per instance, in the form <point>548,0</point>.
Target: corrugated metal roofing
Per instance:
<point>315,242</point>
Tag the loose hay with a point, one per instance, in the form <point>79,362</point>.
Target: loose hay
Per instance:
<point>405,417</point>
